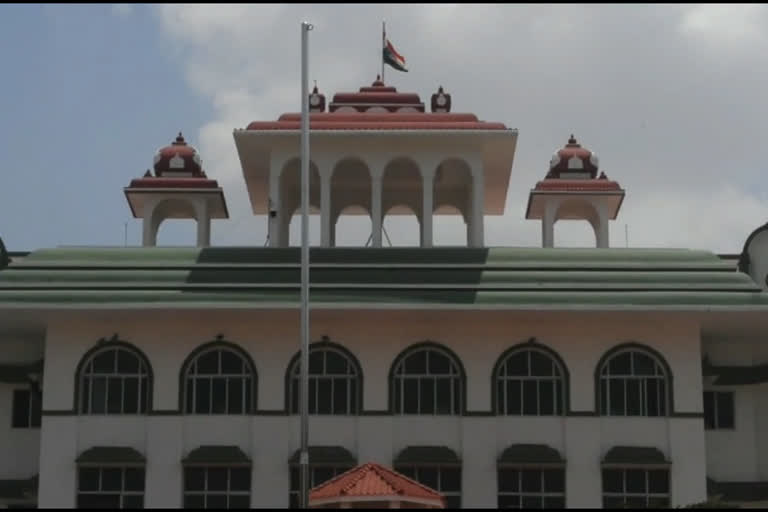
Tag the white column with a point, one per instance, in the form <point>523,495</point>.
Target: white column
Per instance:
<point>149,223</point>
<point>285,229</point>
<point>478,203</point>
<point>376,215</point>
<point>548,223</point>
<point>332,235</point>
<point>325,208</point>
<point>203,223</point>
<point>273,223</point>
<point>601,231</point>
<point>427,185</point>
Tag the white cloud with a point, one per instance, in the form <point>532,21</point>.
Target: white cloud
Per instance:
<point>679,125</point>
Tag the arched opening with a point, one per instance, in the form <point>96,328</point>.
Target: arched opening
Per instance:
<point>352,227</point>
<point>580,228</point>
<point>402,198</point>
<point>290,203</point>
<point>350,203</point>
<point>450,228</point>
<point>182,231</point>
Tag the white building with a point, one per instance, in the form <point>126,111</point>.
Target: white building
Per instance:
<point>165,377</point>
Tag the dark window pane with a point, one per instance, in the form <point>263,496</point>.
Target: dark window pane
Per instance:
<point>219,395</point>
<point>546,397</point>
<point>194,479</point>
<point>335,364</point>
<point>85,396</point>
<point>21,408</point>
<point>231,363</point>
<point>616,397</point>
<point>427,396</point>
<point>217,479</point>
<point>99,395</point>
<point>134,479</point>
<point>514,400</point>
<point>36,404</point>
<point>293,501</point>
<point>644,365</point>
<point>411,396</point>
<point>532,502</point>
<point>396,399</point>
<point>208,363</point>
<point>620,364</point>
<point>654,399</point>
<point>554,480</point>
<point>635,501</point>
<point>316,359</point>
<point>439,363</point>
<point>453,502</point>
<point>559,398</point>
<point>131,396</point>
<point>240,501</point>
<point>725,410</point>
<point>133,501</point>
<point>443,400</point>
<point>500,397</point>
<point>216,501</point>
<point>541,365</point>
<point>340,397</point>
<point>508,480</point>
<point>202,396</point>
<point>457,393</point>
<point>194,501</point>
<point>517,364</point>
<point>530,397</point>
<point>428,476</point>
<point>554,502</point>
<point>235,389</point>
<point>531,480</point>
<point>416,363</point>
<point>658,502</point>
<point>636,480</point>
<point>353,397</point>
<point>295,479</point>
<point>190,386</point>
<point>104,362</point>
<point>662,409</point>
<point>709,410</point>
<point>604,397</point>
<point>408,471</point>
<point>613,502</point>
<point>658,481</point>
<point>613,480</point>
<point>312,396</point>
<point>239,479</point>
<point>509,501</point>
<point>450,480</point>
<point>322,474</point>
<point>633,397</point>
<point>324,397</point>
<point>114,395</point>
<point>127,362</point>
<point>88,479</point>
<point>98,501</point>
<point>111,479</point>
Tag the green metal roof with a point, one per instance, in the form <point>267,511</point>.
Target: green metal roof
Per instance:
<point>111,455</point>
<point>530,454</point>
<point>215,455</point>
<point>343,277</point>
<point>635,455</point>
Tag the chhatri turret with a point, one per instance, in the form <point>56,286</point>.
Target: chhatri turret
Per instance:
<point>573,189</point>
<point>178,189</point>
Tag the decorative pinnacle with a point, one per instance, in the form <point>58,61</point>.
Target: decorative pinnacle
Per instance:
<point>180,140</point>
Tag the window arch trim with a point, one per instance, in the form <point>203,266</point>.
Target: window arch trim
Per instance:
<point>324,345</point>
<point>532,344</point>
<point>428,344</point>
<point>212,345</point>
<point>650,351</point>
<point>102,345</point>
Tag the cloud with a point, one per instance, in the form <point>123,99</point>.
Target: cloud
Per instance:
<point>122,9</point>
<point>671,97</point>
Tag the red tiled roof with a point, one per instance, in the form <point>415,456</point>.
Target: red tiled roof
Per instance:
<point>595,185</point>
<point>376,121</point>
<point>373,480</point>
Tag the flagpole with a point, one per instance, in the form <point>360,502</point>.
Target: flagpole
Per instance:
<point>383,45</point>
<point>304,366</point>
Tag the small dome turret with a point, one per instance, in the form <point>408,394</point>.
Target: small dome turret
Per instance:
<point>573,161</point>
<point>178,160</point>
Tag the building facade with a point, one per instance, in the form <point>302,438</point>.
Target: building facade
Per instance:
<point>501,377</point>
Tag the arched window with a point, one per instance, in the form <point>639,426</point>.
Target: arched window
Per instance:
<point>334,382</point>
<point>114,380</point>
<point>219,379</point>
<point>633,382</point>
<point>427,380</point>
<point>529,382</point>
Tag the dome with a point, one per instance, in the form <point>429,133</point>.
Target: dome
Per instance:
<point>573,161</point>
<point>178,159</point>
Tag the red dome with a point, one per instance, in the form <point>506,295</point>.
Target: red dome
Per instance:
<point>573,159</point>
<point>178,159</point>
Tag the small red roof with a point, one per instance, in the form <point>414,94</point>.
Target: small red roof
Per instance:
<point>588,185</point>
<point>374,481</point>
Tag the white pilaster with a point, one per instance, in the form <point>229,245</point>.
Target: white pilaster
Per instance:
<point>325,207</point>
<point>548,224</point>
<point>376,215</point>
<point>478,203</point>
<point>203,223</point>
<point>601,232</point>
<point>273,222</point>
<point>427,185</point>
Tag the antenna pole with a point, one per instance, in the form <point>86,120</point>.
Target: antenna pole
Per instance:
<point>383,45</point>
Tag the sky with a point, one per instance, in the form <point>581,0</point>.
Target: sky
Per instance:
<point>671,97</point>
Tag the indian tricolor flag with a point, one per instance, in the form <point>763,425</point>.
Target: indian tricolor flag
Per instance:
<point>393,58</point>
